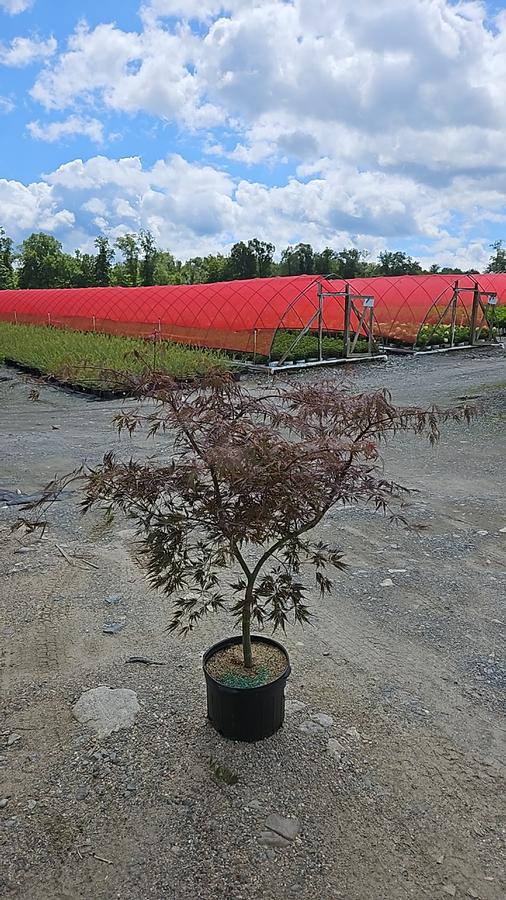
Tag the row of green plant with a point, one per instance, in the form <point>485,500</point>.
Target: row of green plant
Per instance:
<point>91,360</point>
<point>307,347</point>
<point>498,317</point>
<point>430,335</point>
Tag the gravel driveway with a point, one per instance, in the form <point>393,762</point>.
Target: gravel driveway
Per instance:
<point>391,761</point>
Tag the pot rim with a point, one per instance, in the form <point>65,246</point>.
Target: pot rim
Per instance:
<point>237,639</point>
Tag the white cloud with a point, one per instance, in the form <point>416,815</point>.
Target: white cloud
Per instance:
<point>387,85</point>
<point>197,209</point>
<point>31,207</point>
<point>74,125</point>
<point>22,51</point>
<point>13,7</point>
<point>6,105</point>
<point>129,72</point>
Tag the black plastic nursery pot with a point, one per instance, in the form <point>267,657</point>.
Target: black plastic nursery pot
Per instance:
<point>246,714</point>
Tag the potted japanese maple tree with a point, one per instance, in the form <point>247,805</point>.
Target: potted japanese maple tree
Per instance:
<point>227,520</point>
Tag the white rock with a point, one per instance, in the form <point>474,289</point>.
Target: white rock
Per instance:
<point>354,734</point>
<point>323,719</point>
<point>502,531</point>
<point>271,839</point>
<point>482,532</point>
<point>387,583</point>
<point>335,749</point>
<point>309,727</point>
<point>397,571</point>
<point>288,828</point>
<point>106,710</point>
<point>294,706</point>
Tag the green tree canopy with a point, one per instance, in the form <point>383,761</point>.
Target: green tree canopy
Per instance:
<point>43,264</point>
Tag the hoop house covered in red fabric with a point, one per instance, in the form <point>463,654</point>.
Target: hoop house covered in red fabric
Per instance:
<point>403,304</point>
<point>245,315</point>
<point>233,315</point>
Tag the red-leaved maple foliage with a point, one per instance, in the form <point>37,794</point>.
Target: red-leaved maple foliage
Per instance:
<point>249,475</point>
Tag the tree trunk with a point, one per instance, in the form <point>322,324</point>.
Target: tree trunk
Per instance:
<point>246,633</point>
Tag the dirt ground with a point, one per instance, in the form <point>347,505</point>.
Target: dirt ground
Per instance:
<point>412,673</point>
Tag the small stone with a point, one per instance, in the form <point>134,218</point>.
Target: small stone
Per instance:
<point>335,749</point>
<point>113,600</point>
<point>131,787</point>
<point>82,793</point>
<point>105,710</point>
<point>440,859</point>
<point>326,653</point>
<point>3,802</point>
<point>10,823</point>
<point>387,583</point>
<point>254,804</point>
<point>323,719</point>
<point>113,627</point>
<point>31,804</point>
<point>354,734</point>
<point>450,889</point>
<point>502,531</point>
<point>13,738</point>
<point>472,893</point>
<point>287,828</point>
<point>397,571</point>
<point>482,532</point>
<point>270,839</point>
<point>294,706</point>
<point>309,727</point>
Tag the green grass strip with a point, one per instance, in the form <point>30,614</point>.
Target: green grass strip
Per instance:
<point>52,351</point>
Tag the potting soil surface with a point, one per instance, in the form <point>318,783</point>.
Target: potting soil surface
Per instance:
<point>227,666</point>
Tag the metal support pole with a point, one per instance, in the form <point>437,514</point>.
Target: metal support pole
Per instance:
<point>49,318</point>
<point>347,318</point>
<point>455,299</point>
<point>474,313</point>
<point>94,324</point>
<point>320,322</point>
<point>361,320</point>
<point>371,322</point>
<point>255,333</point>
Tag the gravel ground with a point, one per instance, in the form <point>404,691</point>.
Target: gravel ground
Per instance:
<point>391,760</point>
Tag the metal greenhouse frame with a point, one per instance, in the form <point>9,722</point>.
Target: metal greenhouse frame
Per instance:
<point>358,323</point>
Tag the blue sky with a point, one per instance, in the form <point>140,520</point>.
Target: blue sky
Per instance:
<point>380,126</point>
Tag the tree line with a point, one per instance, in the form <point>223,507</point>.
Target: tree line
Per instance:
<point>135,259</point>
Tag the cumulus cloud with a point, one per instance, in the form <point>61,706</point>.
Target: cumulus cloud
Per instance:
<point>196,209</point>
<point>31,207</point>
<point>302,80</point>
<point>22,51</point>
<point>13,7</point>
<point>74,125</point>
<point>129,72</point>
<point>6,105</point>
